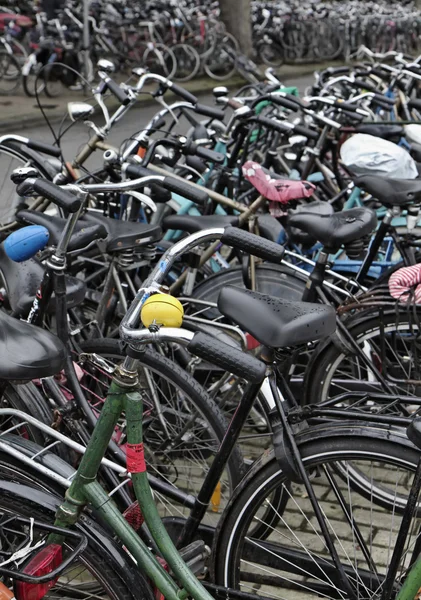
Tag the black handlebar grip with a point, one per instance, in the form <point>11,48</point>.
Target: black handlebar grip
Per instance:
<point>227,357</point>
<point>348,106</point>
<point>253,244</point>
<point>116,90</point>
<point>136,172</point>
<point>336,70</point>
<point>184,189</point>
<point>210,111</point>
<point>158,193</point>
<point>364,85</point>
<point>44,148</point>
<point>384,99</point>
<point>210,155</point>
<point>308,133</point>
<point>272,124</point>
<point>284,102</point>
<point>53,192</point>
<point>180,91</point>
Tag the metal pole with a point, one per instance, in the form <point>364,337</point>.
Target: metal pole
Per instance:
<point>86,42</point>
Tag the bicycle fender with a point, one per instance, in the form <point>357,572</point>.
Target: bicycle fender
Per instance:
<point>97,536</point>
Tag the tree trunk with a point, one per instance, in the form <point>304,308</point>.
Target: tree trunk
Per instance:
<point>236,14</point>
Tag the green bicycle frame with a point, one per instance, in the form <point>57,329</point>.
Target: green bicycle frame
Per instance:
<point>123,396</point>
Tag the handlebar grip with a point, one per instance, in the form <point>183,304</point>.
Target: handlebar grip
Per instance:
<point>253,244</point>
<point>348,106</point>
<point>308,133</point>
<point>158,192</point>
<point>180,91</point>
<point>370,87</point>
<point>116,90</point>
<point>384,99</point>
<point>44,148</point>
<point>53,192</point>
<point>336,70</point>
<point>136,172</point>
<point>227,357</point>
<point>272,124</point>
<point>284,102</point>
<point>210,155</point>
<point>210,111</point>
<point>184,189</point>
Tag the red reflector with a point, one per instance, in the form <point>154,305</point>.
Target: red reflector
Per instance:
<point>44,562</point>
<point>252,343</point>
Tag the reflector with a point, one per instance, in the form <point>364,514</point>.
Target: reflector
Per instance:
<point>42,563</point>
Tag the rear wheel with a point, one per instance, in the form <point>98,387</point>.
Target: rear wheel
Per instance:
<point>9,73</point>
<point>91,575</point>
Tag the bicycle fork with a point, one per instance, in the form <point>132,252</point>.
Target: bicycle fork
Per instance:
<point>124,397</point>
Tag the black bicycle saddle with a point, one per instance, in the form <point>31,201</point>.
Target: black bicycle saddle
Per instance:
<point>274,322</point>
<point>391,192</point>
<point>28,352</point>
<point>337,230</point>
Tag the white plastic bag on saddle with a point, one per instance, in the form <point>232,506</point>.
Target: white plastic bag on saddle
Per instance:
<point>366,154</point>
<point>413,133</point>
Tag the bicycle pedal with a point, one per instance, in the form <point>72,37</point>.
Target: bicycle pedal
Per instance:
<point>196,555</point>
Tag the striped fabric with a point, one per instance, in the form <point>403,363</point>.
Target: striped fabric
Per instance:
<point>404,280</point>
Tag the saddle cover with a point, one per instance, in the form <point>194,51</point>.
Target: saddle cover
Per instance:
<point>276,190</point>
<point>403,281</point>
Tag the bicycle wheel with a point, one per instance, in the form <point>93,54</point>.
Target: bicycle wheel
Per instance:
<point>183,427</point>
<point>9,73</point>
<point>11,158</point>
<point>221,63</point>
<point>390,342</point>
<point>52,77</point>
<point>94,572</point>
<point>32,83</point>
<point>188,62</point>
<point>159,59</point>
<point>276,549</point>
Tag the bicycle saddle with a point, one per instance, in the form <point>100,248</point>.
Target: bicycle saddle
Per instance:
<point>191,224</point>
<point>28,352</point>
<point>275,322</point>
<point>122,235</point>
<point>273,187</point>
<point>334,231</point>
<point>391,192</point>
<point>22,281</point>
<point>386,132</point>
<point>82,236</point>
<point>316,208</point>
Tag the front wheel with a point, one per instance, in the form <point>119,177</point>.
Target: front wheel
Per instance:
<point>9,74</point>
<point>270,540</point>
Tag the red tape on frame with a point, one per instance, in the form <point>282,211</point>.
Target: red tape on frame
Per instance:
<point>135,458</point>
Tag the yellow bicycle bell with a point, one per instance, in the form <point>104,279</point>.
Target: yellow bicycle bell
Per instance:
<point>162,309</point>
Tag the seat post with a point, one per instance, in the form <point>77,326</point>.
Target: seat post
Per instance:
<point>374,246</point>
<point>317,277</point>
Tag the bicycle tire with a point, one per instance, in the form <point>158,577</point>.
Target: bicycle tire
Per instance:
<point>244,533</point>
<point>214,422</point>
<point>188,62</point>
<point>11,157</point>
<point>163,60</point>
<point>273,280</point>
<point>94,560</point>
<point>10,72</point>
<point>30,78</point>
<point>329,356</point>
<point>221,63</point>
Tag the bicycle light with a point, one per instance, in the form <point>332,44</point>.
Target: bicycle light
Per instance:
<point>162,309</point>
<point>44,562</point>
